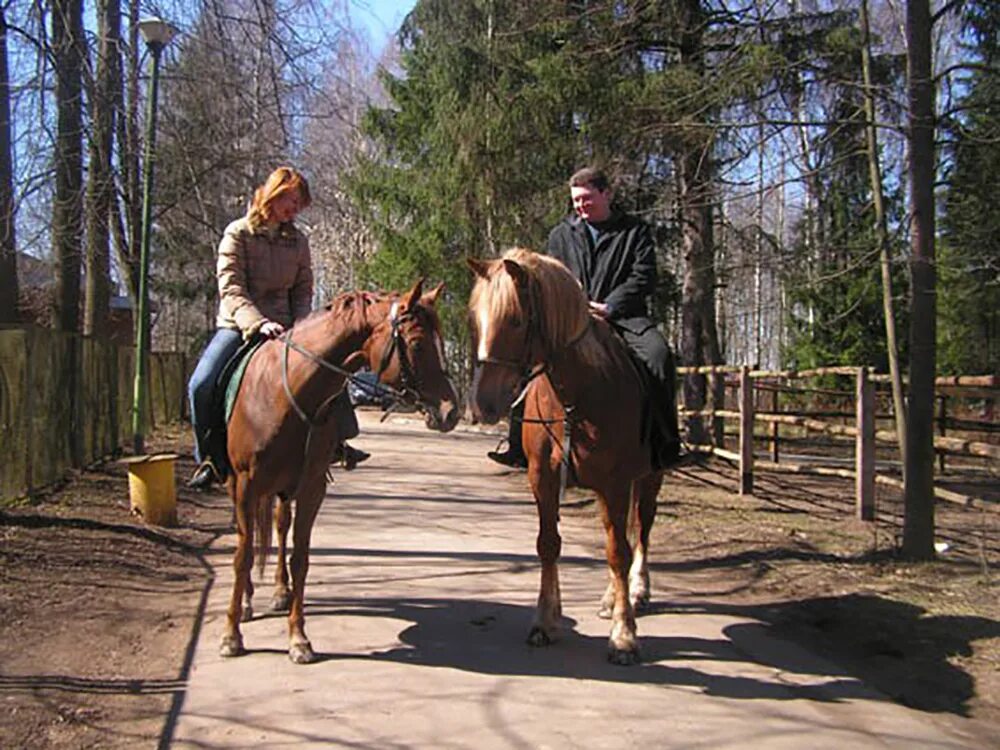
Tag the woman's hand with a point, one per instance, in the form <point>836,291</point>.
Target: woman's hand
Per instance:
<point>598,308</point>
<point>271,329</point>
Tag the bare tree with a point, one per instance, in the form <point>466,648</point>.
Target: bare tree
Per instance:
<point>126,220</point>
<point>8,246</point>
<point>100,186</point>
<point>918,515</point>
<point>882,234</point>
<point>695,174</point>
<point>67,208</point>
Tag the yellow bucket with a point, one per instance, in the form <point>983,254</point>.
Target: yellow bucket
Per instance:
<point>151,489</point>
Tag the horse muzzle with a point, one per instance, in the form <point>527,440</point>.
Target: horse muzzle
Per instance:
<point>444,417</point>
<point>493,391</point>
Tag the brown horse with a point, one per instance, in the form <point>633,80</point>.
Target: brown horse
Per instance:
<point>535,337</point>
<point>281,437</point>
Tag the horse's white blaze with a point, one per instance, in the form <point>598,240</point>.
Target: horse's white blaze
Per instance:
<point>439,346</point>
<point>484,336</point>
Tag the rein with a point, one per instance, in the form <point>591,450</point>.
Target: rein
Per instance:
<point>528,374</point>
<point>409,393</point>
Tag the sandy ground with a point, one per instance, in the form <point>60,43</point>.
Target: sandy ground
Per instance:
<point>771,626</point>
<point>421,591</point>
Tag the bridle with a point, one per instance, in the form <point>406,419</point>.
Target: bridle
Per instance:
<point>523,367</point>
<point>407,394</point>
<point>527,373</point>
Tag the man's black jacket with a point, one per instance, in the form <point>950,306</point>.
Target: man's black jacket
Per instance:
<point>620,270</point>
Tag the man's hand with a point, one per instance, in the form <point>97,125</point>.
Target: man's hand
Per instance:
<point>598,308</point>
<point>270,329</point>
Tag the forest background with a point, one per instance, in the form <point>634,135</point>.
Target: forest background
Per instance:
<point>819,174</point>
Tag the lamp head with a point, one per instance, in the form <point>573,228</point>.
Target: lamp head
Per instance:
<point>156,32</point>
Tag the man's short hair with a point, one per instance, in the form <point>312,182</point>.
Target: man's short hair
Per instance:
<point>590,177</point>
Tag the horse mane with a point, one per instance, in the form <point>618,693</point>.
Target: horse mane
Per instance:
<point>345,307</point>
<point>564,314</point>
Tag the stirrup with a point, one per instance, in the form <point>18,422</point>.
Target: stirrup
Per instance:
<point>204,476</point>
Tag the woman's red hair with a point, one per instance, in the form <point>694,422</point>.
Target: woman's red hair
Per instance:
<point>279,182</point>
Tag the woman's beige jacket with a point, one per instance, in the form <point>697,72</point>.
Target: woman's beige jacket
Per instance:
<point>263,275</point>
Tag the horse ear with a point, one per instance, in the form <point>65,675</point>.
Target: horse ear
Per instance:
<point>430,297</point>
<point>413,296</point>
<point>515,270</point>
<point>479,267</point>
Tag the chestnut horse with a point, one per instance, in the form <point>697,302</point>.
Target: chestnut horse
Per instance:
<point>582,395</point>
<point>281,437</point>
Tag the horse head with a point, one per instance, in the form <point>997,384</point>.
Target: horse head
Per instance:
<point>524,307</point>
<point>407,352</point>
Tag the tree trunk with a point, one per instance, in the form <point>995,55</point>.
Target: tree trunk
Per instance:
<point>8,246</point>
<point>126,219</point>
<point>882,232</point>
<point>100,185</point>
<point>699,341</point>
<point>918,473</point>
<point>67,208</point>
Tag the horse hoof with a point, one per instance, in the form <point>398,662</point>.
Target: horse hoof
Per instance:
<point>605,612</point>
<point>247,614</point>
<point>231,646</point>
<point>301,653</point>
<point>640,603</point>
<point>538,637</point>
<point>281,602</point>
<point>623,657</point>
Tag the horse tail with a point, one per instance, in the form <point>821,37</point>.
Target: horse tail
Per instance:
<point>264,522</point>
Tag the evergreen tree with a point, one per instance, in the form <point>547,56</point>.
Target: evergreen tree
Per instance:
<point>833,277</point>
<point>969,256</point>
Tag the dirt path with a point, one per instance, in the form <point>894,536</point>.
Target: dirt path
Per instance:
<point>778,621</point>
<point>420,593</point>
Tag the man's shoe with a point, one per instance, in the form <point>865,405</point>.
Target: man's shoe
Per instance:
<point>203,477</point>
<point>353,456</point>
<point>513,459</point>
<point>349,455</point>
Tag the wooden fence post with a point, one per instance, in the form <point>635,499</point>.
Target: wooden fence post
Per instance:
<point>746,432</point>
<point>774,425</point>
<point>864,447</point>
<point>942,426</point>
<point>718,391</point>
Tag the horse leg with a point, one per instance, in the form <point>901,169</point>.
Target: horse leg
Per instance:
<point>244,502</point>
<point>306,507</point>
<point>247,614</point>
<point>282,522</point>
<point>548,610</point>
<point>644,493</point>
<point>623,644</point>
<point>607,608</point>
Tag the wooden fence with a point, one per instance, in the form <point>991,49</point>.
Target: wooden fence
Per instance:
<point>750,386</point>
<point>66,400</point>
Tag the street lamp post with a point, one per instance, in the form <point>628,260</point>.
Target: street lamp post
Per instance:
<point>157,35</point>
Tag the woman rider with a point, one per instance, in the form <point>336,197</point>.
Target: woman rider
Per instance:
<point>265,280</point>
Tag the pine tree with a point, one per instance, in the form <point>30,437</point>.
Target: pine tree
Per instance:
<point>969,257</point>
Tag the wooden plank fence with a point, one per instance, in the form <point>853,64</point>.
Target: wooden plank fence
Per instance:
<point>864,433</point>
<point>66,400</point>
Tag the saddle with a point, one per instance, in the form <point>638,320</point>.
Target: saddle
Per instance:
<point>224,393</point>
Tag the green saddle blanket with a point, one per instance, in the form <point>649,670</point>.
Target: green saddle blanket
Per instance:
<point>226,389</point>
<point>235,376</point>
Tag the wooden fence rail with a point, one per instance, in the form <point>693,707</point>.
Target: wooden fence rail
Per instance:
<point>66,400</point>
<point>863,431</point>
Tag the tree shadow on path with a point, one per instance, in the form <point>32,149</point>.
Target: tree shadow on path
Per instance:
<point>489,638</point>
